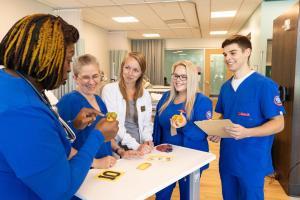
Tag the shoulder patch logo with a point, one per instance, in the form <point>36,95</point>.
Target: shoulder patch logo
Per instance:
<point>277,101</point>
<point>208,115</point>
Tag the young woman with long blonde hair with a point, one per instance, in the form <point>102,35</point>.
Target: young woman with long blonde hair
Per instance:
<point>185,102</point>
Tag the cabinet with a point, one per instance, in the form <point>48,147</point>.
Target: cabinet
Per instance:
<point>286,72</point>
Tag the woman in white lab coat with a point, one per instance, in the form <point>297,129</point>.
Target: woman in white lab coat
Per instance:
<point>132,103</point>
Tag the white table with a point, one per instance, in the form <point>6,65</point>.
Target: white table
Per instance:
<point>140,184</point>
<point>157,90</point>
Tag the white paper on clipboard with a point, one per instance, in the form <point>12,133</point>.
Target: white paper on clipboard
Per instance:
<point>215,127</point>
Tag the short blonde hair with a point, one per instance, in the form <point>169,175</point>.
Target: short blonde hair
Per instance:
<point>86,59</point>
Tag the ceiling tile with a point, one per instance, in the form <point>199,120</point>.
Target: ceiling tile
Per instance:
<point>123,2</point>
<point>111,11</point>
<point>221,5</point>
<point>203,8</point>
<point>135,26</point>
<point>179,25</point>
<point>153,14</point>
<point>61,4</point>
<point>189,13</point>
<point>146,15</point>
<point>243,14</point>
<point>168,11</point>
<point>183,33</point>
<point>220,24</point>
<point>196,33</point>
<point>158,1</point>
<point>134,35</point>
<point>91,15</point>
<point>91,3</point>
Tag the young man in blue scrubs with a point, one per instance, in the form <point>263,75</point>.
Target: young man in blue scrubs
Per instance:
<point>251,101</point>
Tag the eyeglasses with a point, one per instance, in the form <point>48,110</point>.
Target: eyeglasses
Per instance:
<point>181,77</point>
<point>86,78</point>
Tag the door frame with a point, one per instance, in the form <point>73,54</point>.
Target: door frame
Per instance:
<point>207,67</point>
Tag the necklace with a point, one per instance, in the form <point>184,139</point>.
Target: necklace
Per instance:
<point>69,132</point>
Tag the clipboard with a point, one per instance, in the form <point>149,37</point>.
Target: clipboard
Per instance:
<point>215,127</point>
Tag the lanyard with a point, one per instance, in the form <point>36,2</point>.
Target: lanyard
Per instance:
<point>69,132</point>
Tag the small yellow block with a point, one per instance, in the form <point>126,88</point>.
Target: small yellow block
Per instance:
<point>144,166</point>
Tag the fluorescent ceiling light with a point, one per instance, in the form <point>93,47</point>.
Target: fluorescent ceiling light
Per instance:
<point>179,51</point>
<point>219,14</point>
<point>126,19</point>
<point>218,32</point>
<point>151,35</point>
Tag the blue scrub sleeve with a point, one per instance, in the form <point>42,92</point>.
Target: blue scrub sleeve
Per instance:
<point>157,131</point>
<point>67,111</point>
<point>63,178</point>
<point>219,107</point>
<point>202,111</point>
<point>34,147</point>
<point>271,104</point>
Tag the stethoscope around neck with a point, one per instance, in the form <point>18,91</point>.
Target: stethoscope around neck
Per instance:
<point>69,132</point>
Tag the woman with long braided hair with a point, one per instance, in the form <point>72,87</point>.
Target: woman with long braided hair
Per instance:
<point>34,142</point>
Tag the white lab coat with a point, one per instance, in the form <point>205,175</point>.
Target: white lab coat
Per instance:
<point>115,102</point>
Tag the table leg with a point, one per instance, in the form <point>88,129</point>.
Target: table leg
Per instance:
<point>195,185</point>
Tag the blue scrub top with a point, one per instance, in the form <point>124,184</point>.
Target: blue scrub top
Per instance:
<point>254,102</point>
<point>188,136</point>
<point>34,148</point>
<point>68,108</point>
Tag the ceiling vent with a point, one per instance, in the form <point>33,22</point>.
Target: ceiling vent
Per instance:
<point>174,21</point>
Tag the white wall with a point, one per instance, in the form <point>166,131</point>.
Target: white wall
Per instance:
<point>193,43</point>
<point>253,26</point>
<point>260,25</point>
<point>118,41</point>
<point>71,16</point>
<point>12,10</point>
<point>95,41</point>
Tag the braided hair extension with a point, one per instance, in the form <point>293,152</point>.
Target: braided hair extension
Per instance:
<point>36,46</point>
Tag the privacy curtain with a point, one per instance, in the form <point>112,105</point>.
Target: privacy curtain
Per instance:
<point>154,53</point>
<point>115,60</point>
